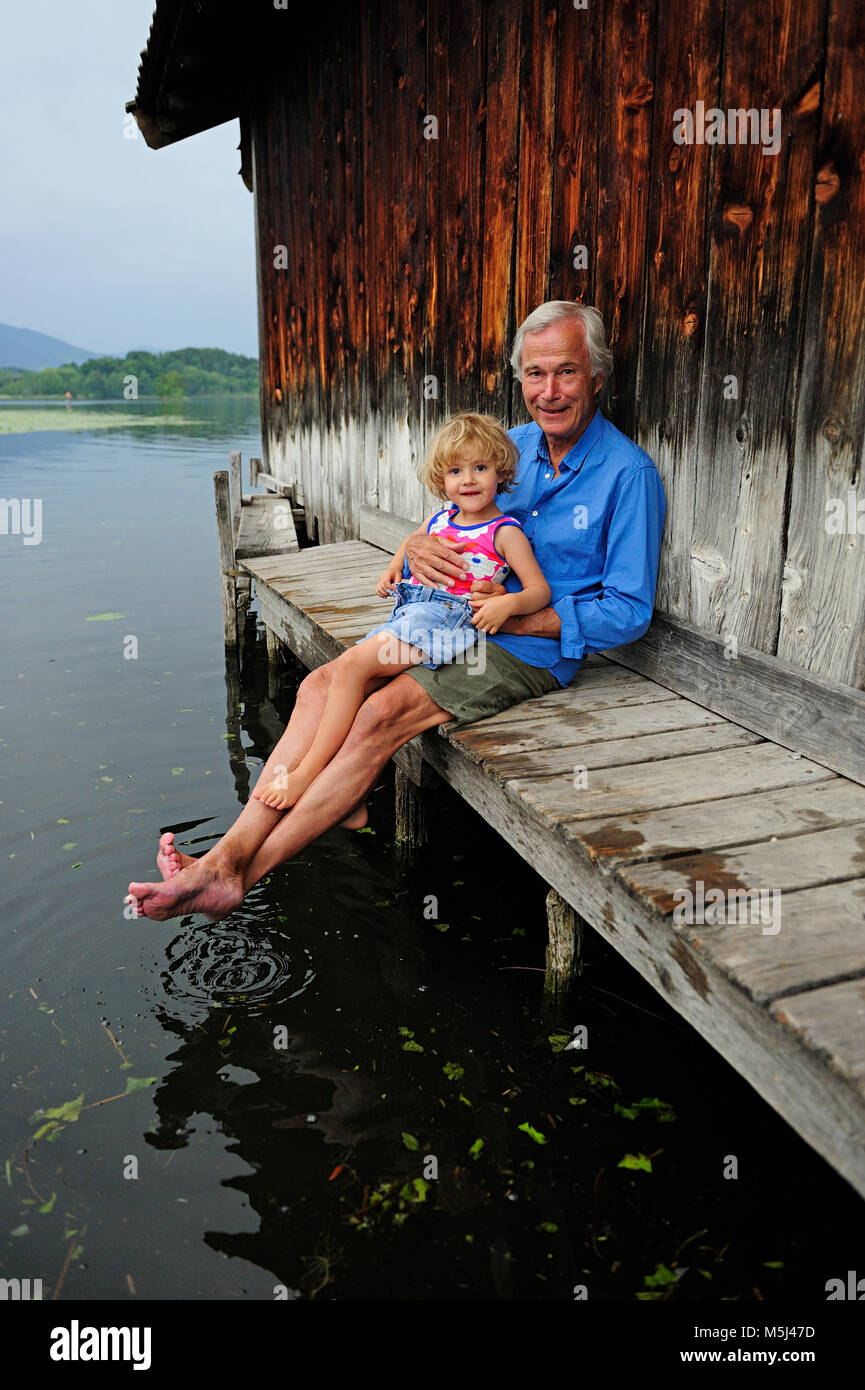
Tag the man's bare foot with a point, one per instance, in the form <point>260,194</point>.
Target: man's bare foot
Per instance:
<point>356,819</point>
<point>169,860</point>
<point>203,886</point>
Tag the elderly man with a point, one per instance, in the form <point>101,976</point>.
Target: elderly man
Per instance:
<point>592,504</point>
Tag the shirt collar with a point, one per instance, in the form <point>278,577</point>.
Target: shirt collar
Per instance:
<point>575,457</point>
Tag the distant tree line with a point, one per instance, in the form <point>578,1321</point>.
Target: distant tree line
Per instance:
<point>188,372</point>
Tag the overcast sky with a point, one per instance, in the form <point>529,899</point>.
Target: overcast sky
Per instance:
<point>104,242</point>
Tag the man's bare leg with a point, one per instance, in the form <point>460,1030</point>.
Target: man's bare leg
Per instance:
<point>295,741</point>
<point>215,884</point>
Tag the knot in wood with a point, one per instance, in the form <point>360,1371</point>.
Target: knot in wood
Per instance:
<point>739,215</point>
<point>828,184</point>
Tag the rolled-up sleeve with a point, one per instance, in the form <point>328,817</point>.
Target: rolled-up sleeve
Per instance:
<point>623,610</point>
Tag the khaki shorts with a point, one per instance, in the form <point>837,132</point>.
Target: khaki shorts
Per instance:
<point>469,693</point>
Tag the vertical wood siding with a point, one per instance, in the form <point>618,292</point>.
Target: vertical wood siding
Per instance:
<point>411,260</point>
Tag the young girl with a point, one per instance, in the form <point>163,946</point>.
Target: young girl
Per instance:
<point>469,460</point>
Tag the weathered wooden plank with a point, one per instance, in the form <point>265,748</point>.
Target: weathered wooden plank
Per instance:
<point>821,941</point>
<point>624,131</point>
<point>798,861</point>
<point>498,213</point>
<point>733,820</point>
<point>537,133</point>
<point>809,713</point>
<point>569,762</point>
<point>225,540</point>
<point>760,231</point>
<point>385,530</point>
<point>818,1102</point>
<point>576,727</point>
<point>687,68</point>
<point>831,1021</point>
<point>300,563</point>
<point>673,782</point>
<point>824,584</point>
<point>266,525</point>
<point>236,489</point>
<point>437,370</point>
<point>579,96</point>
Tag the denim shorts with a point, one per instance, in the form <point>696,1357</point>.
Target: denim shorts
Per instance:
<point>437,622</point>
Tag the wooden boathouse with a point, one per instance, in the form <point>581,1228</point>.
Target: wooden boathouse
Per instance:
<point>423,173</point>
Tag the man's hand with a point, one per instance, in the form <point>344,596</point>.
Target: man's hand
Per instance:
<point>433,561</point>
<point>492,613</point>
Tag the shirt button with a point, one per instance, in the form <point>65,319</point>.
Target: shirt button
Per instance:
<point>548,475</point>
<point>534,513</point>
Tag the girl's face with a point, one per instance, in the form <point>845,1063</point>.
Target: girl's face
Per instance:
<point>471,482</point>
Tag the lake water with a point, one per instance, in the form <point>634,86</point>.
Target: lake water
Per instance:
<point>230,1165</point>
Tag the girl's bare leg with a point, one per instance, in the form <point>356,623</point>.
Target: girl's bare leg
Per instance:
<point>350,676</point>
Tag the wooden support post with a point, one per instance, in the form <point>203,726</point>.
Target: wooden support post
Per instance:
<point>234,463</point>
<point>225,537</point>
<point>233,727</point>
<point>565,949</point>
<point>254,470</point>
<point>274,655</point>
<point>412,811</point>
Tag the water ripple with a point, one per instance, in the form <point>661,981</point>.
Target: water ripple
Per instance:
<point>232,963</point>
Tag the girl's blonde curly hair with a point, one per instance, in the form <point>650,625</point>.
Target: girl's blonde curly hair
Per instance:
<point>469,433</point>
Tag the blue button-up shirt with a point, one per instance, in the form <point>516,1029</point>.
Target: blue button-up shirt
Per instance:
<point>595,529</point>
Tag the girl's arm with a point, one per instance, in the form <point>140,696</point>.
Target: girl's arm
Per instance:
<point>389,578</point>
<point>516,550</point>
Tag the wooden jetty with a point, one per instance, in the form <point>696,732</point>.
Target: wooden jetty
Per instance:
<point>679,794</point>
<point>422,175</point>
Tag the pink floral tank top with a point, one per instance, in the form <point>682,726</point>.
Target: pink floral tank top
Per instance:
<point>484,559</point>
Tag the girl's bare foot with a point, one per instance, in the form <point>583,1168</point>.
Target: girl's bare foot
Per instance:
<point>210,886</point>
<point>286,789</point>
<point>169,860</point>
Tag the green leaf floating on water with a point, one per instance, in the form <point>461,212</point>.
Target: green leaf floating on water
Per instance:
<point>661,1277</point>
<point>410,1141</point>
<point>67,1113</point>
<point>532,1133</point>
<point>104,617</point>
<point>476,1147</point>
<point>637,1161</point>
<point>453,1071</point>
<point>139,1083</point>
<point>49,1205</point>
<point>559,1041</point>
<point>412,1047</point>
<point>176,771</point>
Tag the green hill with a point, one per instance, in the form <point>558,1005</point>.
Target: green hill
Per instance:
<point>187,372</point>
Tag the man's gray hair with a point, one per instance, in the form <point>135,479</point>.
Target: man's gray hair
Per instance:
<point>600,357</point>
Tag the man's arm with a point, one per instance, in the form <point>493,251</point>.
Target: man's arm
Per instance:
<point>623,610</point>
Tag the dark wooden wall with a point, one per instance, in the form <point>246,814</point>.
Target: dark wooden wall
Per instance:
<point>411,259</point>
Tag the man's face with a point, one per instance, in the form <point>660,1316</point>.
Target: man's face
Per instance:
<point>558,387</point>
